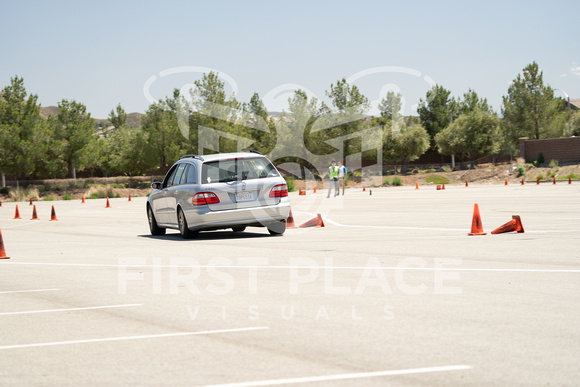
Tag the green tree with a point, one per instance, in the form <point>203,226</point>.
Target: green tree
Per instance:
<point>25,137</point>
<point>472,134</point>
<point>530,108</point>
<point>350,105</point>
<point>127,150</point>
<point>118,117</point>
<point>575,124</point>
<point>74,128</point>
<point>435,111</point>
<point>391,105</point>
<point>471,102</point>
<point>409,144</point>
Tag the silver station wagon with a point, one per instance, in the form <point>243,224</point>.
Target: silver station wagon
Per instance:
<point>219,191</point>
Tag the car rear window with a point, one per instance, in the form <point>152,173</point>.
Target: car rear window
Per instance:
<point>237,169</point>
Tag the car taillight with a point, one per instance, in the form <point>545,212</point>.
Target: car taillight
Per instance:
<point>279,191</point>
<point>202,198</point>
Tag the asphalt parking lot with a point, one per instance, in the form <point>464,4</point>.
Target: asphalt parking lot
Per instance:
<point>391,291</point>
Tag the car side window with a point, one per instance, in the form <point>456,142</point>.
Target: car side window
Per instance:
<point>169,177</point>
<point>178,172</point>
<point>190,175</point>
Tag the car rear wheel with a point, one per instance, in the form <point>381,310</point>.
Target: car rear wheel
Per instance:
<point>277,228</point>
<point>238,228</point>
<point>153,227</point>
<point>185,232</point>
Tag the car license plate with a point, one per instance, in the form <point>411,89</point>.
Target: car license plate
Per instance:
<point>244,196</point>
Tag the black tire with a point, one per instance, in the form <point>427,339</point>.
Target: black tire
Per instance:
<point>185,232</point>
<point>153,227</point>
<point>277,228</point>
<point>238,228</point>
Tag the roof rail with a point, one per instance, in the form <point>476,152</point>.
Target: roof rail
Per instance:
<point>192,156</point>
<point>251,151</point>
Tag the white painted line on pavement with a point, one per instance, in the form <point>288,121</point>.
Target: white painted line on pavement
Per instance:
<point>282,267</point>
<point>465,230</point>
<point>69,309</point>
<point>310,379</point>
<point>28,291</point>
<point>162,335</point>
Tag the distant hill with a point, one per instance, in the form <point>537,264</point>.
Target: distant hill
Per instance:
<point>133,119</point>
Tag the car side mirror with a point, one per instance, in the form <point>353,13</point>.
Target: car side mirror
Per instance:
<point>156,185</point>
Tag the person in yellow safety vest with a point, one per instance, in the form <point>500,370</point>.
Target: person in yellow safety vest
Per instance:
<point>341,176</point>
<point>333,177</point>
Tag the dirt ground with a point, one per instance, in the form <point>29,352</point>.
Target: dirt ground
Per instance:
<point>482,174</point>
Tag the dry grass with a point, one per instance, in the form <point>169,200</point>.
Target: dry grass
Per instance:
<point>24,194</point>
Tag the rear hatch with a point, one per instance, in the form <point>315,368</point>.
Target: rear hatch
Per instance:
<point>241,182</point>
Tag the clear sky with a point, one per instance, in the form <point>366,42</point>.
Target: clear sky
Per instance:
<point>102,53</point>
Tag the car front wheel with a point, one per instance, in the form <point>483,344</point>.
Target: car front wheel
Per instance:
<point>153,227</point>
<point>185,232</point>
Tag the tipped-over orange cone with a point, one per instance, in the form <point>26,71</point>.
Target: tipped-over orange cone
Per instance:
<point>290,221</point>
<point>129,198</point>
<point>108,205</point>
<point>53,214</point>
<point>2,251</point>
<point>313,222</point>
<point>476,226</point>
<point>17,213</point>
<point>300,192</point>
<point>416,185</point>
<point>438,187</point>
<point>83,202</point>
<point>513,225</point>
<point>34,215</point>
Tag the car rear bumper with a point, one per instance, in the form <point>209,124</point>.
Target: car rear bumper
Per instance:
<point>200,218</point>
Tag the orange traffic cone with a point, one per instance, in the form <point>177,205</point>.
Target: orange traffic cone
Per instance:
<point>129,198</point>
<point>476,226</point>
<point>30,200</point>
<point>34,215</point>
<point>569,182</point>
<point>438,187</point>
<point>108,205</point>
<point>314,189</point>
<point>53,214</point>
<point>0,202</point>
<point>2,251</point>
<point>513,225</point>
<point>443,185</point>
<point>17,213</point>
<point>290,221</point>
<point>506,181</point>
<point>466,184</point>
<point>313,222</point>
<point>538,181</point>
<point>522,181</point>
<point>416,185</point>
<point>300,192</point>
<point>83,202</point>
<point>554,180</point>
<point>364,189</point>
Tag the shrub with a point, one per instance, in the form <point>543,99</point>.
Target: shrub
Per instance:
<point>4,191</point>
<point>521,170</point>
<point>397,181</point>
<point>386,181</point>
<point>48,199</point>
<point>24,194</point>
<point>437,179</point>
<point>541,177</point>
<point>553,163</point>
<point>102,192</point>
<point>67,196</point>
<point>539,159</point>
<point>291,184</point>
